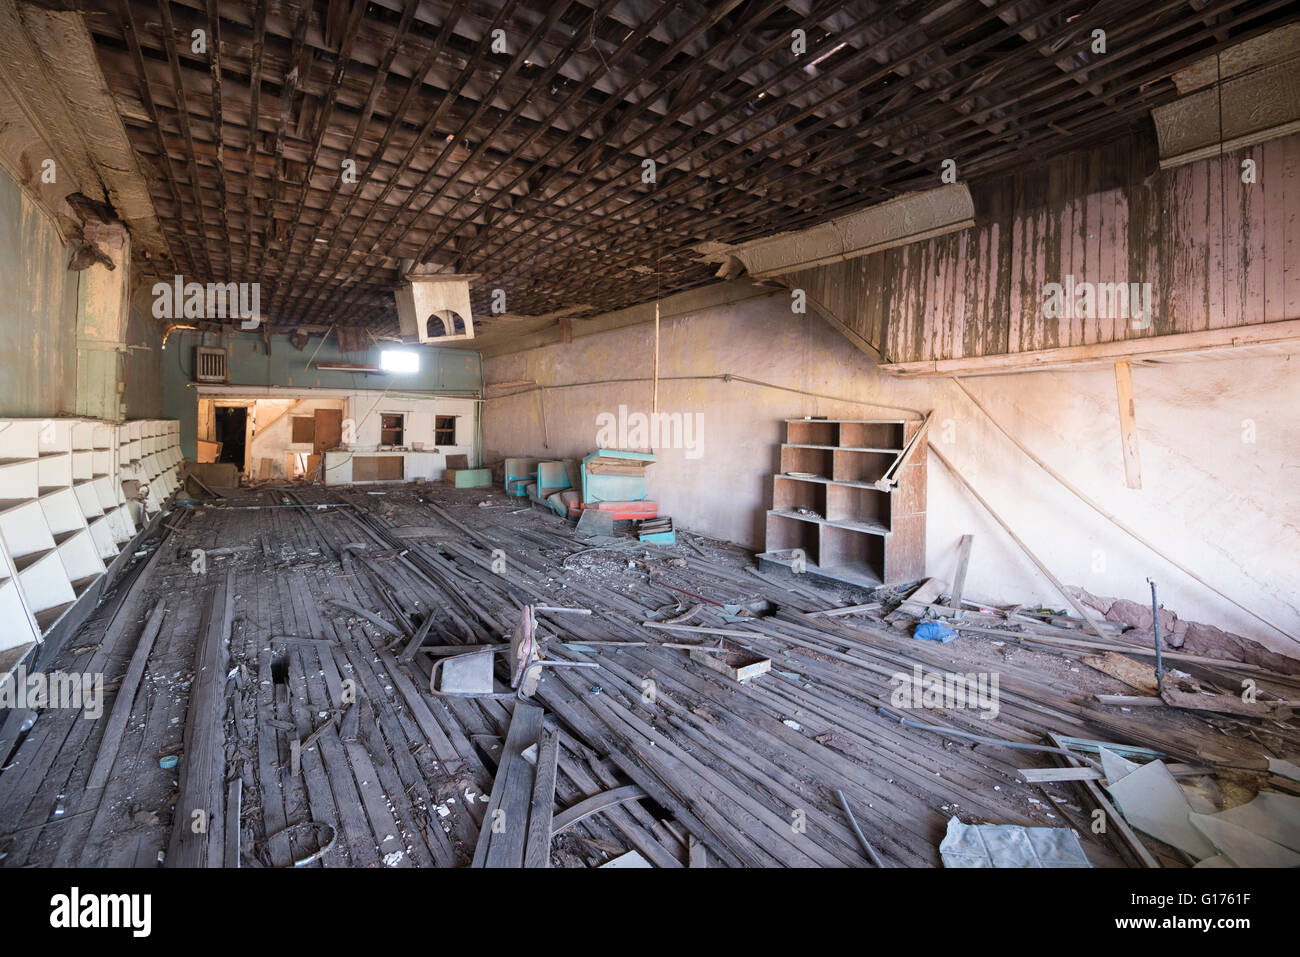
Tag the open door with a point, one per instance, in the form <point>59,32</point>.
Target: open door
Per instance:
<point>329,435</point>
<point>231,434</point>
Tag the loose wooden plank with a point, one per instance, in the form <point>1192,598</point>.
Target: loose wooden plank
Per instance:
<point>959,579</point>
<point>1132,673</point>
<point>537,852</point>
<point>505,825</point>
<point>199,824</point>
<point>597,803</point>
<point>123,702</point>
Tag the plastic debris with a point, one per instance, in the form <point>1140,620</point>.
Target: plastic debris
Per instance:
<point>933,631</point>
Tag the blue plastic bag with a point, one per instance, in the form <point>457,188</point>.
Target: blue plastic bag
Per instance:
<point>934,631</point>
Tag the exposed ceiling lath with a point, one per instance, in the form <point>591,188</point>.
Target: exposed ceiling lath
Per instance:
<point>521,155</point>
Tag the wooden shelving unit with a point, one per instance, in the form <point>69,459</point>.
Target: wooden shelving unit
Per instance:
<point>64,516</point>
<point>835,514</point>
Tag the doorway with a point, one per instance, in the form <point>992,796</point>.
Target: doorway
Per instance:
<point>231,428</point>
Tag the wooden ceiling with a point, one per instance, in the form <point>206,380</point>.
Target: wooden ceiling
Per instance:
<point>525,165</point>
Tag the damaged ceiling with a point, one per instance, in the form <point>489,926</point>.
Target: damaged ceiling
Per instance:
<point>520,155</point>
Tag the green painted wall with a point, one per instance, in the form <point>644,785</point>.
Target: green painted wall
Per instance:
<point>38,311</point>
<point>143,365</point>
<point>444,371</point>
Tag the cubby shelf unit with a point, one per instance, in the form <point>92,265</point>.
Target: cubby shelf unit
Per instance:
<point>830,518</point>
<point>64,516</point>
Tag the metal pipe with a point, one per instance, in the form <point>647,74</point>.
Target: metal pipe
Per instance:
<point>1155,625</point>
<point>980,739</point>
<point>853,823</point>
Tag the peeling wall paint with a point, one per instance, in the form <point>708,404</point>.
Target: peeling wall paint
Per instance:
<point>142,369</point>
<point>38,311</point>
<point>1223,505</point>
<point>1217,253</point>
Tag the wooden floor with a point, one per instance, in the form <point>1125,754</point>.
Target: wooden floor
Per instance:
<point>388,775</point>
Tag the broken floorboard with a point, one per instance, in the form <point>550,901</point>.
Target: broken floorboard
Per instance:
<point>748,771</point>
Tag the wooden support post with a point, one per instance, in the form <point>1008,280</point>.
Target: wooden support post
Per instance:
<point>1128,423</point>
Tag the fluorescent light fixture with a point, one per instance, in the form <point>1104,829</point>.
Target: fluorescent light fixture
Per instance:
<point>399,360</point>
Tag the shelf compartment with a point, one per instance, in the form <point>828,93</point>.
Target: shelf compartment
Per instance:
<point>789,495</point>
<point>20,438</point>
<point>122,521</point>
<point>25,531</point>
<point>818,462</point>
<point>101,532</point>
<point>812,432</point>
<point>55,436</point>
<point>83,435</point>
<point>20,629</point>
<point>83,465</point>
<point>886,435</point>
<point>88,500</point>
<point>853,555</point>
<point>784,534</point>
<point>46,584</point>
<point>80,557</point>
<point>851,466</point>
<point>852,503</point>
<point>19,479</point>
<point>62,511</point>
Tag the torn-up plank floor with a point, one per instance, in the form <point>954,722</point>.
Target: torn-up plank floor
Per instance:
<point>328,590</point>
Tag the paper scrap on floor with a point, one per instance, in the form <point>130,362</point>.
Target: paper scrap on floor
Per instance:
<point>1009,845</point>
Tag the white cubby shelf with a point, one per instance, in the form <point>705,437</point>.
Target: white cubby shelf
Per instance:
<point>65,515</point>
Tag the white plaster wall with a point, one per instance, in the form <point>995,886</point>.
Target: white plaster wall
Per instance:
<point>1225,507</point>
<point>275,441</point>
<point>368,407</point>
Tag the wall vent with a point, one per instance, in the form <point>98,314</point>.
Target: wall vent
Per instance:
<point>209,364</point>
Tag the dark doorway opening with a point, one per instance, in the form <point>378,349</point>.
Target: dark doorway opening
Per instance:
<point>232,431</point>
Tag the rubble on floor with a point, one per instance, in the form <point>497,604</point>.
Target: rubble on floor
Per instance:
<point>315,626</point>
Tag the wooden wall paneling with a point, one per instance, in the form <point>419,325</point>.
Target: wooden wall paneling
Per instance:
<point>1215,227</point>
<point>1099,328</point>
<point>1270,172</point>
<point>1062,258</point>
<point>1291,251</point>
<point>1014,338</point>
<point>1254,231</point>
<point>963,244</point>
<point>1235,305</point>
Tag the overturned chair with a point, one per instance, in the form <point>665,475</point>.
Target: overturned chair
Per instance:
<point>470,674</point>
